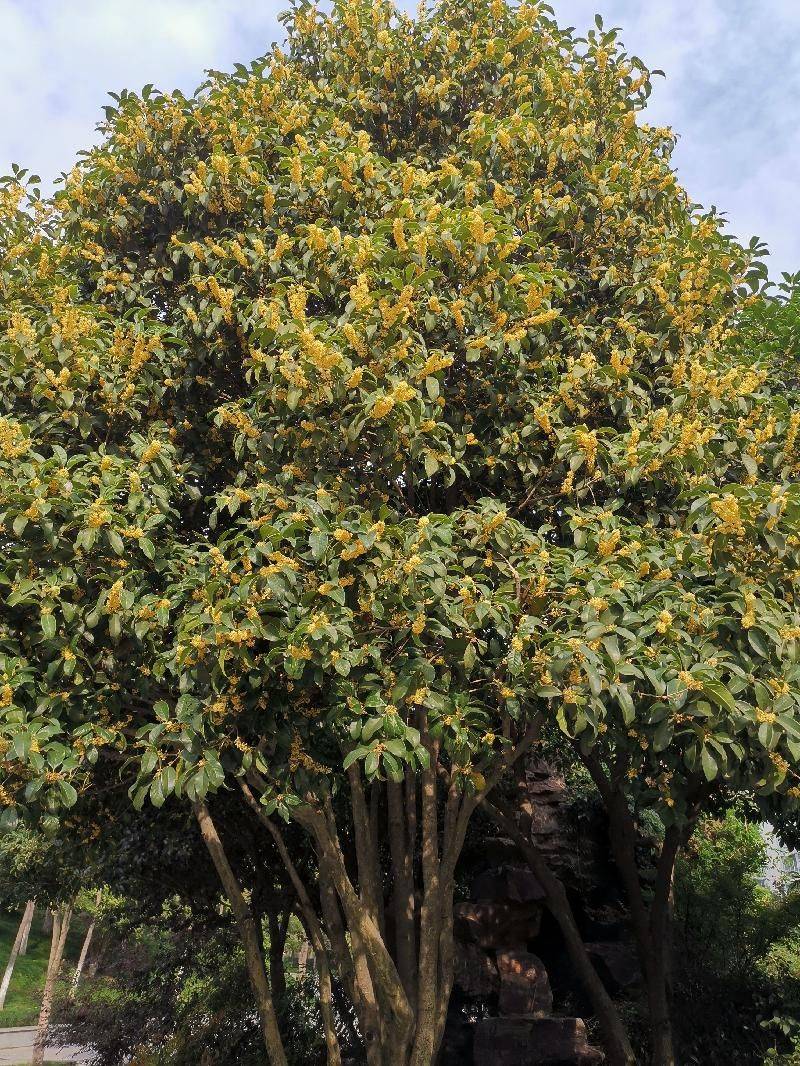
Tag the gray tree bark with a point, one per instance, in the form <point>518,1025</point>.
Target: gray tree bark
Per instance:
<point>16,950</point>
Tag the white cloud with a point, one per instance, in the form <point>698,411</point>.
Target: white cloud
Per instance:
<point>62,57</point>
<point>731,92</point>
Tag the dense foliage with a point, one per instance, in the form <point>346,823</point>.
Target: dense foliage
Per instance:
<point>737,952</point>
<point>171,990</point>
<point>360,412</point>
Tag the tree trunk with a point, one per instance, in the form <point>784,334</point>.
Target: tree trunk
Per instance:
<point>277,942</point>
<point>312,927</point>
<point>649,924</point>
<point>615,1038</point>
<point>376,976</point>
<point>16,949</point>
<point>663,1053</point>
<point>400,999</point>
<point>23,949</point>
<point>652,959</point>
<point>366,849</point>
<point>87,940</point>
<point>662,1050</point>
<point>403,890</point>
<point>253,943</point>
<point>61,922</point>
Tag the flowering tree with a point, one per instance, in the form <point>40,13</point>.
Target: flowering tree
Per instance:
<point>360,412</point>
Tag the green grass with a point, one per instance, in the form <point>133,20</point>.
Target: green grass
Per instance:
<point>25,991</point>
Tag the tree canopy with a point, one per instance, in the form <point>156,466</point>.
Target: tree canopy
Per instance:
<point>366,410</point>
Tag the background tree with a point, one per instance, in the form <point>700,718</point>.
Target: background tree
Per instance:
<point>166,980</point>
<point>360,412</point>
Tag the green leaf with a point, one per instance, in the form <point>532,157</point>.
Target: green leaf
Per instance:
<point>354,756</point>
<point>470,656</point>
<point>116,542</point>
<point>710,768</point>
<point>662,736</point>
<point>720,695</point>
<point>148,763</point>
<point>157,796</point>
<point>370,728</point>
<point>431,464</point>
<point>626,704</point>
<point>68,793</point>
<point>611,644</point>
<point>393,767</point>
<point>319,544</point>
<point>758,642</point>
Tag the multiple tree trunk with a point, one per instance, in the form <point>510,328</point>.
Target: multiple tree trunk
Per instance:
<point>62,918</point>
<point>393,958</point>
<point>398,973</point>
<point>18,948</point>
<point>58,925</point>
<point>251,936</point>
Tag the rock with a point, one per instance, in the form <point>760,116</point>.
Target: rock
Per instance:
<point>543,780</point>
<point>497,925</point>
<point>525,1041</point>
<point>616,965</point>
<point>514,883</point>
<point>475,971</point>
<point>497,851</point>
<point>524,984</point>
<point>544,820</point>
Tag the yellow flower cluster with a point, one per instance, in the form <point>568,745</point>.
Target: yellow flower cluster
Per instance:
<point>727,510</point>
<point>13,443</point>
<point>98,515</point>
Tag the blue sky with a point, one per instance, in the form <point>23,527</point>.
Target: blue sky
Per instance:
<point>732,90</point>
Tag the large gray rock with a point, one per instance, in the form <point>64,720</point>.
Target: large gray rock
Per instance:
<point>526,1041</point>
<point>524,984</point>
<point>497,925</point>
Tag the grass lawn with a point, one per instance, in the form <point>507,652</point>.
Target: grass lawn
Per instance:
<point>24,993</point>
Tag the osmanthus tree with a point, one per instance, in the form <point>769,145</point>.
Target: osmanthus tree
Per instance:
<point>359,413</point>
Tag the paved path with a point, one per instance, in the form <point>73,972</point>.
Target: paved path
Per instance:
<point>16,1046</point>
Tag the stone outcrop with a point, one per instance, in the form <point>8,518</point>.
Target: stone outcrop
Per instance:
<point>476,973</point>
<point>526,1041</point>
<point>503,1010</point>
<point>501,922</point>
<point>524,984</point>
